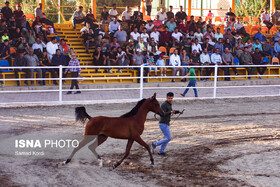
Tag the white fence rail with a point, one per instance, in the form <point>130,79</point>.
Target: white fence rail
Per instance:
<point>137,91</point>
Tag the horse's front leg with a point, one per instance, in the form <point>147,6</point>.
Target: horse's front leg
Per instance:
<point>128,147</point>
<point>141,142</point>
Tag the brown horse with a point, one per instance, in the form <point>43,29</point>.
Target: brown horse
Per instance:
<point>129,126</point>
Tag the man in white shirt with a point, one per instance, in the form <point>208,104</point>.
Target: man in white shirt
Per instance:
<point>176,61</point>
<point>218,34</point>
<point>162,15</point>
<point>149,26</point>
<point>135,36</point>
<point>51,47</point>
<point>198,35</point>
<point>113,27</point>
<point>196,46</point>
<point>145,36</point>
<point>38,45</point>
<point>127,14</point>
<point>216,57</point>
<point>39,12</point>
<point>155,34</point>
<point>266,19</point>
<point>113,13</point>
<point>176,36</point>
<point>205,61</point>
<point>78,17</point>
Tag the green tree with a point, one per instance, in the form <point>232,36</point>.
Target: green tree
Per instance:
<point>251,6</point>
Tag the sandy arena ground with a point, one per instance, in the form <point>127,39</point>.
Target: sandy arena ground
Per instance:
<point>223,142</point>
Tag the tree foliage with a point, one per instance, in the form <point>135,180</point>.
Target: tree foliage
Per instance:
<point>251,6</point>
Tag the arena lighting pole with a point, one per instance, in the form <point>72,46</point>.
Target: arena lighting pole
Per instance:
<point>60,84</point>
<point>215,81</point>
<point>141,81</point>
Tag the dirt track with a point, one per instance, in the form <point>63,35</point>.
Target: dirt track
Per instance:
<point>231,142</point>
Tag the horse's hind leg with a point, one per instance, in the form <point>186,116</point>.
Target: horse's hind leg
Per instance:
<point>141,142</point>
<point>82,143</point>
<point>128,147</point>
<point>98,141</point>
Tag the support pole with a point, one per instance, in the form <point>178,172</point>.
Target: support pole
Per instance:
<point>143,8</point>
<point>243,8</point>
<point>260,11</point>
<point>60,84</point>
<point>43,5</point>
<point>215,81</point>
<point>272,5</point>
<point>93,6</point>
<point>189,7</point>
<point>185,5</point>
<point>141,81</point>
<point>233,6</point>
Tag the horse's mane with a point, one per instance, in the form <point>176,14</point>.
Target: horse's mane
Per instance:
<point>134,110</point>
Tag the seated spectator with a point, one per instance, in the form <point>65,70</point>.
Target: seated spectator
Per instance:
<point>18,13</point>
<point>180,15</point>
<point>41,32</point>
<point>152,48</point>
<point>52,46</point>
<point>199,35</point>
<point>196,46</point>
<point>228,60</point>
<point>195,59</point>
<point>246,59</point>
<point>99,58</point>
<point>20,61</point>
<point>115,43</point>
<point>137,13</point>
<point>7,12</point>
<point>138,60</point>
<point>275,15</point>
<point>170,14</point>
<point>228,45</point>
<point>205,61</point>
<point>22,45</point>
<point>135,36</point>
<point>165,38</point>
<point>33,61</point>
<point>258,45</point>
<point>57,60</point>
<point>219,45</point>
<point>257,60</point>
<point>239,29</point>
<point>210,25</point>
<point>113,13</point>
<point>229,36</point>
<point>187,46</point>
<point>85,29</point>
<point>5,37</point>
<point>127,14</point>
<point>162,15</point>
<point>216,57</point>
<point>218,34</point>
<point>228,27</point>
<point>259,36</point>
<point>145,36</point>
<point>236,38</point>
<point>113,27</point>
<point>267,48</point>
<point>104,18</point>
<point>121,36</point>
<point>276,36</point>
<point>112,59</point>
<point>35,23</point>
<point>176,61</point>
<point>130,50</point>
<point>122,57</point>
<point>75,72</point>
<point>12,25</point>
<point>89,39</point>
<point>149,26</point>
<point>3,27</point>
<point>45,61</point>
<point>191,35</point>
<point>207,46</point>
<point>78,17</point>
<point>171,25</point>
<point>230,16</point>
<point>15,36</point>
<point>141,45</point>
<point>184,27</point>
<point>150,62</point>
<point>105,47</point>
<point>155,35</point>
<point>38,47</point>
<point>185,60</point>
<point>39,13</point>
<point>91,19</point>
<point>210,35</point>
<point>192,24</point>
<point>158,24</point>
<point>31,37</point>
<point>99,32</point>
<point>177,38</point>
<point>139,24</point>
<point>160,62</point>
<point>65,50</point>
<point>125,25</point>
<point>265,17</point>
<point>199,23</point>
<point>239,48</point>
<point>249,45</point>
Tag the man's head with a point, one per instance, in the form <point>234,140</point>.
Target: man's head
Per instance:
<point>228,31</point>
<point>138,52</point>
<point>139,8</point>
<point>38,40</point>
<point>169,97</point>
<point>115,40</point>
<point>176,30</point>
<point>238,20</point>
<point>81,8</point>
<point>176,51</point>
<point>127,8</point>
<point>205,50</point>
<point>7,3</point>
<point>246,49</point>
<point>123,18</point>
<point>226,50</point>
<point>259,30</point>
<point>172,20</point>
<point>217,50</point>
<point>257,41</point>
<point>6,42</point>
<point>170,8</point>
<point>63,42</point>
<point>181,8</point>
<point>73,55</point>
<point>21,54</point>
<point>162,9</point>
<point>54,39</point>
<point>135,29</point>
<point>196,41</point>
<point>114,6</point>
<point>58,52</point>
<point>166,28</point>
<point>90,30</point>
<point>257,50</point>
<point>194,52</point>
<point>90,10</point>
<point>145,30</point>
<point>218,30</point>
<point>31,51</point>
<point>207,40</point>
<point>113,49</point>
<point>40,5</point>
<point>220,40</point>
<point>104,9</point>
<point>229,9</point>
<point>119,49</point>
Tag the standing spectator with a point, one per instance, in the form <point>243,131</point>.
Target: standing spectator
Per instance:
<point>121,36</point>
<point>230,16</point>
<point>104,17</point>
<point>137,13</point>
<point>165,38</point>
<point>246,59</point>
<point>148,6</point>
<point>170,14</point>
<point>219,45</point>
<point>266,19</point>
<point>155,35</point>
<point>135,36</point>
<point>57,60</point>
<point>162,15</point>
<point>275,16</point>
<point>20,61</point>
<point>90,19</point>
<point>7,12</point>
<point>218,34</point>
<point>180,15</point>
<point>196,46</point>
<point>171,25</point>
<point>176,61</point>
<point>78,17</point>
<point>5,51</point>
<point>113,13</point>
<point>239,29</point>
<point>228,60</point>
<point>257,60</point>
<point>18,13</point>
<point>177,38</point>
<point>210,14</point>
<point>39,12</point>
<point>192,81</point>
<point>113,27</point>
<point>267,48</point>
<point>25,26</point>
<point>52,46</point>
<point>45,61</point>
<point>158,24</point>
<point>127,14</point>
<point>32,60</point>
<point>75,72</point>
<point>138,60</point>
<point>184,27</point>
<point>205,61</point>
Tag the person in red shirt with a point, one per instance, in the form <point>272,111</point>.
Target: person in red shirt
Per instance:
<point>18,15</point>
<point>184,27</point>
<point>165,38</point>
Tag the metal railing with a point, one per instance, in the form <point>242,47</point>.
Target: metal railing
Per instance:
<point>137,91</point>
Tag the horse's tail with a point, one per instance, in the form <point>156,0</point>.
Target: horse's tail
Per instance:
<point>81,114</point>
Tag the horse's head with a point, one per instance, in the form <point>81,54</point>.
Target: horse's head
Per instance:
<point>154,105</point>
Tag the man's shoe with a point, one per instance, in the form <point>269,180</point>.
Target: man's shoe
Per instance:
<point>25,82</point>
<point>110,71</point>
<point>163,154</point>
<point>69,93</point>
<point>153,147</point>
<point>55,83</point>
<point>120,71</point>
<point>172,80</point>
<point>182,95</point>
<point>78,92</point>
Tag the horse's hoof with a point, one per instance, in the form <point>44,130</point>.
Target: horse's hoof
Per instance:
<point>67,161</point>
<point>114,166</point>
<point>152,166</point>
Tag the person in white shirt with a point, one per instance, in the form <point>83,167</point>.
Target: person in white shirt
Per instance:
<point>155,34</point>
<point>127,14</point>
<point>176,61</point>
<point>218,34</point>
<point>196,46</point>
<point>113,27</point>
<point>113,13</point>
<point>145,36</point>
<point>266,19</point>
<point>216,57</point>
<point>205,61</point>
<point>149,26</point>
<point>121,57</point>
<point>135,36</point>
<point>199,35</point>
<point>38,45</point>
<point>51,47</point>
<point>162,15</point>
<point>176,36</point>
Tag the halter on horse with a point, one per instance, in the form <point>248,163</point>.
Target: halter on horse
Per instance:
<point>129,126</point>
